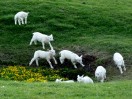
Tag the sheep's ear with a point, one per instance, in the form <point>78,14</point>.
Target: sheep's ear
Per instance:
<point>78,76</point>
<point>82,76</point>
<point>81,56</point>
<point>51,35</point>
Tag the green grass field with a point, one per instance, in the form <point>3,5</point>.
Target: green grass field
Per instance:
<point>94,27</point>
<point>22,90</point>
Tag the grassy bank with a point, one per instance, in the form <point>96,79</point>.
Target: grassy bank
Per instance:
<point>98,28</point>
<point>94,27</point>
<point>116,90</point>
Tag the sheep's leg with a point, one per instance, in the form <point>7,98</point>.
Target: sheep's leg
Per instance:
<point>105,76</point>
<point>82,65</point>
<point>102,80</point>
<point>43,45</point>
<point>31,41</point>
<point>25,20</point>
<point>19,21</point>
<point>50,64</point>
<point>37,62</point>
<point>124,67</point>
<point>35,42</point>
<point>120,69</point>
<point>32,61</point>
<point>74,64</point>
<point>61,60</point>
<point>22,20</point>
<point>15,21</point>
<point>54,60</point>
<point>50,45</point>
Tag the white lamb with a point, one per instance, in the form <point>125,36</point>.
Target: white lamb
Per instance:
<point>58,80</point>
<point>119,61</point>
<point>44,54</point>
<point>21,17</point>
<point>67,81</point>
<point>84,79</point>
<point>66,54</point>
<point>42,38</point>
<point>100,73</point>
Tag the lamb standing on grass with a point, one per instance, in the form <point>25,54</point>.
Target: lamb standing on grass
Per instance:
<point>21,17</point>
<point>67,81</point>
<point>44,54</point>
<point>119,61</point>
<point>100,73</point>
<point>42,38</point>
<point>65,54</point>
<point>84,79</point>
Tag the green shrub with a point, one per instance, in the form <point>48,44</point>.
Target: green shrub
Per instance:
<point>20,73</point>
<point>30,74</point>
<point>64,73</point>
<point>50,74</point>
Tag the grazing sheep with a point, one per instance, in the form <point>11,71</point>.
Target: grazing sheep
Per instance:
<point>100,73</point>
<point>84,79</point>
<point>21,17</point>
<point>41,38</point>
<point>44,54</point>
<point>67,81</point>
<point>65,54</point>
<point>119,61</point>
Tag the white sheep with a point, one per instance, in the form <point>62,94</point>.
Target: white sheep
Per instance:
<point>67,81</point>
<point>66,54</point>
<point>58,80</point>
<point>119,61</point>
<point>84,79</point>
<point>37,36</point>
<point>45,55</point>
<point>100,73</point>
<point>21,17</point>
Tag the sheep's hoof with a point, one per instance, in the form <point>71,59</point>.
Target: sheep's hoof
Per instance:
<point>121,72</point>
<point>51,67</point>
<point>83,65</point>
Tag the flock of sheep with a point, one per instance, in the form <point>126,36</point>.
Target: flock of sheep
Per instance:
<point>100,72</point>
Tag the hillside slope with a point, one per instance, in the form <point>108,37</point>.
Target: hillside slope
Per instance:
<point>94,27</point>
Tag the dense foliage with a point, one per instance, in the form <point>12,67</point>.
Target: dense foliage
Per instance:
<point>21,73</point>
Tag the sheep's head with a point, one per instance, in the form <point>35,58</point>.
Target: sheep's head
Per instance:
<point>79,59</point>
<point>52,51</point>
<point>58,80</point>
<point>79,78</point>
<point>51,38</point>
<point>98,76</point>
<point>27,13</point>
